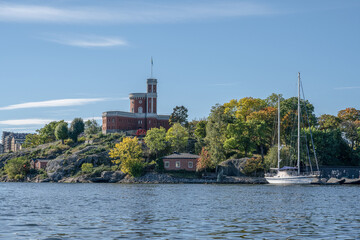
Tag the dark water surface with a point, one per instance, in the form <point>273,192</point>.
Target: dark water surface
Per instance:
<point>137,211</point>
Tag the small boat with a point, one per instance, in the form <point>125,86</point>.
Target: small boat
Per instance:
<point>292,175</point>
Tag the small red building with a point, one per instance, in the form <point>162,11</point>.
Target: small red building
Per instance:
<point>40,163</point>
<point>181,161</point>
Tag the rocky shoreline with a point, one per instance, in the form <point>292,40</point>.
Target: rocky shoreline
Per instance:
<point>148,178</point>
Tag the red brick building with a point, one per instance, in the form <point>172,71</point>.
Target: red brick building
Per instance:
<point>181,161</point>
<point>142,115</point>
<point>39,163</point>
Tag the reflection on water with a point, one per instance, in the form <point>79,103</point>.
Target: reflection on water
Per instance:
<point>108,211</point>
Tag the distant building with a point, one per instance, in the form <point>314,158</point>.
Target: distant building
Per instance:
<point>1,148</point>
<point>142,115</point>
<point>39,163</point>
<point>181,161</point>
<point>12,141</point>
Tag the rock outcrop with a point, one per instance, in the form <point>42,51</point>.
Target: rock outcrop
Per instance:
<point>232,167</point>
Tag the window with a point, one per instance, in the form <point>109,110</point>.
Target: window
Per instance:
<point>140,101</point>
<point>140,110</point>
<point>167,164</point>
<point>190,164</point>
<point>177,164</point>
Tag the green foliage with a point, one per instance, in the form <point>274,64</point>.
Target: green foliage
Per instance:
<point>200,131</point>
<point>61,131</point>
<point>155,140</point>
<point>102,168</point>
<point>31,140</point>
<point>327,121</point>
<point>47,133</point>
<point>271,157</point>
<point>128,154</point>
<point>77,127</point>
<point>69,142</point>
<point>331,148</point>
<point>179,115</point>
<point>16,168</point>
<point>253,167</point>
<point>178,137</point>
<point>92,127</point>
<point>87,168</point>
<point>215,133</point>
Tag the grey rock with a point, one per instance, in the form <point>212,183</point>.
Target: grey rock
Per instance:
<point>232,167</point>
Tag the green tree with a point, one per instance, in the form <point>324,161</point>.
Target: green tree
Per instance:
<point>31,140</point>
<point>61,131</point>
<point>76,128</point>
<point>215,133</point>
<point>92,127</point>
<point>272,100</point>
<point>179,115</point>
<point>17,168</point>
<point>327,121</point>
<point>200,130</point>
<point>262,124</point>
<point>331,148</point>
<point>178,137</point>
<point>47,133</point>
<point>200,134</point>
<point>239,138</point>
<point>155,140</point>
<point>128,155</point>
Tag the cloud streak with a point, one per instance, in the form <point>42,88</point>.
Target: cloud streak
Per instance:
<point>23,122</point>
<point>131,12</point>
<point>54,103</point>
<point>88,41</point>
<point>347,88</point>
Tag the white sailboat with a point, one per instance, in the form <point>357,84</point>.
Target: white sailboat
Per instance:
<point>291,175</point>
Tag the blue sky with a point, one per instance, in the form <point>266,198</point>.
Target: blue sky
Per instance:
<point>78,58</point>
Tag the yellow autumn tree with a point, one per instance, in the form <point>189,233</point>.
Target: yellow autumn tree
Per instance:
<point>128,156</point>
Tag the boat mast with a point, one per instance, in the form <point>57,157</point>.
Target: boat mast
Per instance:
<point>279,132</point>
<point>299,113</point>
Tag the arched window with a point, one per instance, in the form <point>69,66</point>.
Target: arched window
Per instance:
<point>140,110</point>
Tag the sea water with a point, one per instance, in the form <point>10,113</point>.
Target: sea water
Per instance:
<point>178,211</point>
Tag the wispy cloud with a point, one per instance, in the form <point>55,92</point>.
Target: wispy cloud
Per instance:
<point>222,84</point>
<point>131,12</point>
<point>347,88</point>
<point>23,122</point>
<point>54,103</point>
<point>87,41</point>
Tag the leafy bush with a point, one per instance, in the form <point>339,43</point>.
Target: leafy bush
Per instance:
<point>69,142</point>
<point>87,168</point>
<point>102,168</point>
<point>17,168</point>
<point>134,167</point>
<point>81,139</point>
<point>253,166</point>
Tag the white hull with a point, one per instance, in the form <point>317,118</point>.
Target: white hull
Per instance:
<point>291,179</point>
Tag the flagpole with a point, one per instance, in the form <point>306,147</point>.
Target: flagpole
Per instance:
<point>152,63</point>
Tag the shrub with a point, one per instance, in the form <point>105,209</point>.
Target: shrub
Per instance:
<point>134,167</point>
<point>69,142</point>
<point>87,168</point>
<point>253,166</point>
<point>102,168</point>
<point>17,168</point>
<point>81,139</point>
